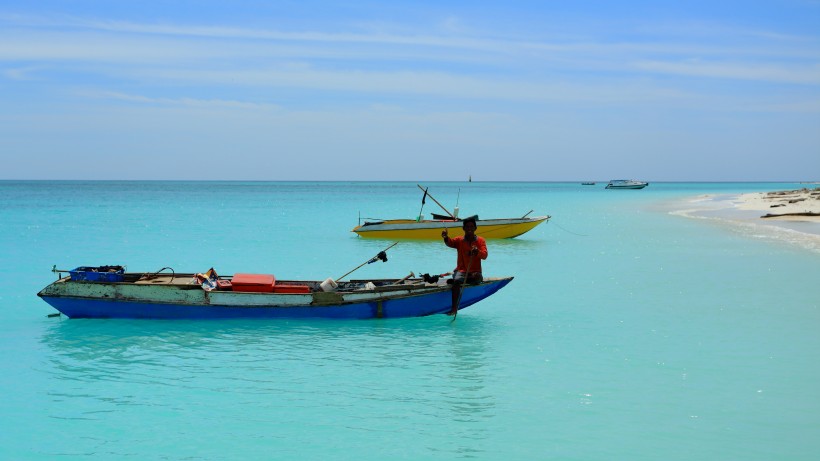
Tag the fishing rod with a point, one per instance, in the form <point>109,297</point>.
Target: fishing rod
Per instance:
<point>382,255</point>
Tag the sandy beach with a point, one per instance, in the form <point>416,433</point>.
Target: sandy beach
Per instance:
<point>786,215</point>
<point>793,205</point>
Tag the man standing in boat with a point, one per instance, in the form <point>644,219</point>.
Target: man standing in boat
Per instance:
<point>471,250</point>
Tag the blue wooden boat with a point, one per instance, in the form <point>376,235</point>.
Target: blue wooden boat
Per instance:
<point>89,292</point>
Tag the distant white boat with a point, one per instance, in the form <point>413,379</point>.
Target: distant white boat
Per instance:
<point>626,184</point>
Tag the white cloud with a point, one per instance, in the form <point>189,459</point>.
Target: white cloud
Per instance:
<point>120,40</point>
<point>178,102</point>
<point>21,73</point>
<point>785,73</point>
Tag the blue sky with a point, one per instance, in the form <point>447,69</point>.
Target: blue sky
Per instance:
<point>422,90</point>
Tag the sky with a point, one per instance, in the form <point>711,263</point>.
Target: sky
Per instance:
<point>410,90</point>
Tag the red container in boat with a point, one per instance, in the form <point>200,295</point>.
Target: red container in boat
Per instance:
<point>223,285</point>
<point>253,283</point>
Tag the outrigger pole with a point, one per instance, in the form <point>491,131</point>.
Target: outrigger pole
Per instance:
<point>442,206</point>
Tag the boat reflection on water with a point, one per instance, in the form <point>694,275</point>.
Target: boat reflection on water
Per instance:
<point>411,376</point>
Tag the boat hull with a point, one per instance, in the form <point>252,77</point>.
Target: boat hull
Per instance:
<point>398,229</point>
<point>639,186</point>
<point>131,301</point>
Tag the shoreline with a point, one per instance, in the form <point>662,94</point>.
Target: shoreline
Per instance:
<point>791,215</point>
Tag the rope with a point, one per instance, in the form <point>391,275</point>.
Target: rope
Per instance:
<point>155,274</point>
<point>568,231</point>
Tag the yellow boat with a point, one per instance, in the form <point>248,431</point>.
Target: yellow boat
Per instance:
<point>422,229</point>
<point>431,229</point>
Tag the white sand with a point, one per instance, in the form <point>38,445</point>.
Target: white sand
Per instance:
<point>790,205</point>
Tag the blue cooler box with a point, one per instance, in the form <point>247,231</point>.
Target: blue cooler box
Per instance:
<point>98,274</point>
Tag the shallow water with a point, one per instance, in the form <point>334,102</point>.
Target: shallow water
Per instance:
<point>629,332</point>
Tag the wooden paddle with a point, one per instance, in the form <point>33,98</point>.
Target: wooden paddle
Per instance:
<point>461,289</point>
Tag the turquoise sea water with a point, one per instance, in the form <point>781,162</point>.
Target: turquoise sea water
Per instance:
<point>630,332</point>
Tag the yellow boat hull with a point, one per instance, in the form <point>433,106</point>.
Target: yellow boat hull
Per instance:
<point>399,229</point>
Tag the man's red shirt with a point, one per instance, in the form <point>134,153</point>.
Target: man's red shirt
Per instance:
<point>464,248</point>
